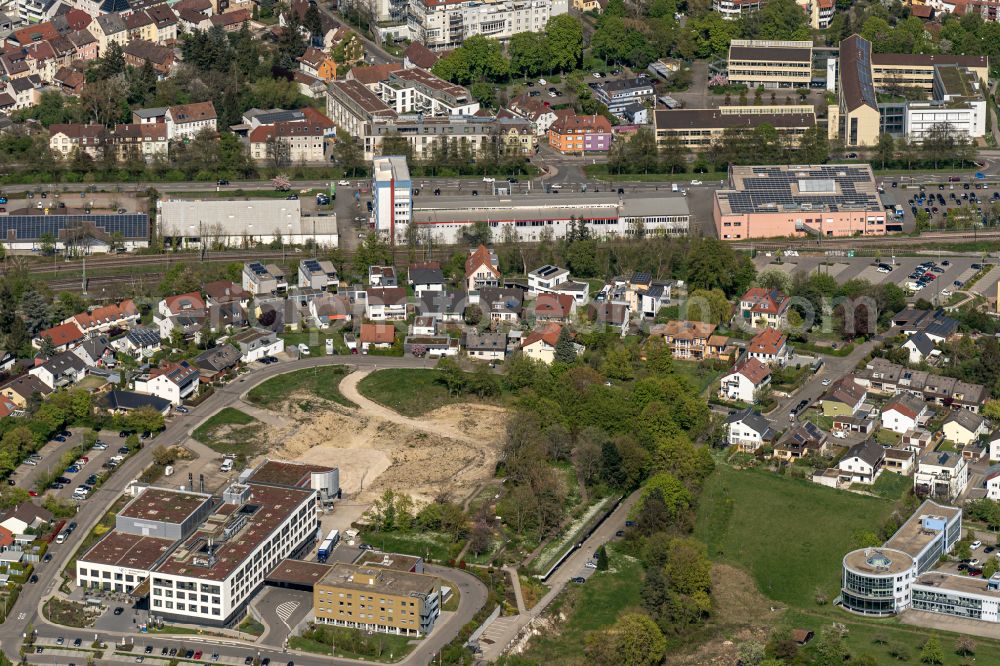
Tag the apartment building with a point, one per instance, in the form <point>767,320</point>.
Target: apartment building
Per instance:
<point>355,108</point>
<point>941,474</point>
<point>698,129</point>
<point>301,140</point>
<point>427,134</point>
<point>886,377</point>
<point>376,597</point>
<point>732,10</point>
<point>171,381</point>
<point>691,340</point>
<point>580,134</point>
<point>416,90</point>
<point>445,25</point>
<point>617,94</point>
<point>186,121</point>
<point>763,306</point>
<point>770,63</point>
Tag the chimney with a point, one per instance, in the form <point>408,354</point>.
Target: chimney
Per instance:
<point>190,481</point>
<point>201,478</point>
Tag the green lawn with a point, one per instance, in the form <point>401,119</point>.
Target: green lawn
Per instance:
<point>789,534</point>
<point>233,431</point>
<point>590,606</point>
<point>891,486</point>
<point>316,341</point>
<point>354,643</point>
<point>409,392</point>
<point>422,543</point>
<point>700,377</point>
<point>322,382</point>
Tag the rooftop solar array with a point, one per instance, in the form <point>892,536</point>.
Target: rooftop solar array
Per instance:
<point>257,268</point>
<point>312,266</point>
<point>778,189</point>
<point>132,226</point>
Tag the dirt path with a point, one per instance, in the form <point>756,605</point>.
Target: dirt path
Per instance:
<point>349,387</point>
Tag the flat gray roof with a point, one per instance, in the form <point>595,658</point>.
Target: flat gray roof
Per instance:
<point>547,207</point>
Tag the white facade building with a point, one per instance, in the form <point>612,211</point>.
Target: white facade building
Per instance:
<point>444,25</point>
<point>392,195</point>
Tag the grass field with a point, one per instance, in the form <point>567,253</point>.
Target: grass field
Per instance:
<point>316,341</point>
<point>891,485</point>
<point>789,534</point>
<point>322,382</point>
<point>232,431</point>
<point>590,606</point>
<point>409,392</point>
<point>425,544</point>
<point>699,376</point>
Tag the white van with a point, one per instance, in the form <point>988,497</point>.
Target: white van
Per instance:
<point>61,537</point>
<point>227,465</point>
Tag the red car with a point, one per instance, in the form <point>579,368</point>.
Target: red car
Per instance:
<point>33,493</point>
<point>197,655</point>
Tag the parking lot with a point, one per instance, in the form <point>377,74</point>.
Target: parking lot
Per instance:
<point>844,269</point>
<point>48,459</point>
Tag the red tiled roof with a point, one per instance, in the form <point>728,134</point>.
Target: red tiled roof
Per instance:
<point>768,341</point>
<point>377,333</point>
<point>374,73</point>
<point>549,334</point>
<point>555,305</point>
<point>581,124</point>
<point>481,257</point>
<point>763,301</point>
<point>753,370</point>
<point>185,302</point>
<point>63,334</point>
<point>106,314</point>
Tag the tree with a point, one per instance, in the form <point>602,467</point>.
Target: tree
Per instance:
<point>372,252</point>
<point>618,364</point>
<point>529,53</point>
<point>602,558</point>
<point>164,456</point>
<point>710,306</point>
<point>965,646</point>
<point>712,264</point>
<point>473,315</point>
<point>348,154</point>
<point>565,351</point>
<point>751,653</point>
<point>35,311</point>
<point>677,499</point>
<point>564,36</point>
<point>312,22</point>
<point>885,149</point>
<point>932,653</point>
<point>278,152</point>
<point>634,640</point>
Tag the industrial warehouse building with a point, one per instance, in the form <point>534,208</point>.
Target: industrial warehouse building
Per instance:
<point>24,231</point>
<point>242,223</point>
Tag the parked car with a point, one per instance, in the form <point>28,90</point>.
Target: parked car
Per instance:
<point>975,544</point>
<point>182,409</point>
<point>578,579</point>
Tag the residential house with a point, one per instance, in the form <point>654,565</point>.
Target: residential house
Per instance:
<point>304,138</point>
<point>963,427</point>
<point>917,440</point>
<point>418,55</point>
<point>862,463</point>
<point>899,461</point>
<point>580,134</point>
<point>545,279</point>
<point>96,352</point>
<point>105,318</point>
<point>941,475</point>
<point>770,346</point>
<point>500,305</point>
<point>69,139</point>
<point>376,336</point>
<point>171,381</point>
<point>121,402</point>
<point>385,303</point>
<point>317,274</point>
<point>487,346</point>
<point>109,29</point>
<point>26,91</point>
<point>140,342</point>
<point>481,269</point>
<point>231,21</point>
<point>540,114</point>
<point>140,51</point>
<point>432,346</point>
<point>21,390</point>
<point>862,421</point>
<point>186,121</point>
<point>64,369</point>
<point>257,279</point>
<point>424,279</point>
<point>382,276</point>
<point>442,305</point>
<point>994,444</point>
<point>256,343</point>
<point>331,309</point>
<point>541,343</point>
<point>992,483</point>
<point>19,519</point>
<point>763,307</point>
<point>62,337</point>
<point>613,315</point>
<point>845,396</point>
<point>745,380</point>
<point>424,325</point>
<point>213,363</point>
<point>655,297</point>
<point>974,451</point>
<point>886,377</point>
<point>553,307</point>
<point>689,340</point>
<point>222,292</point>
<point>315,62</point>
<point>187,313</point>
<point>70,81</point>
<point>748,430</point>
<point>801,440</point>
<point>133,140</point>
<point>920,347</point>
<point>904,412</point>
<point>580,291</point>
<point>933,323</point>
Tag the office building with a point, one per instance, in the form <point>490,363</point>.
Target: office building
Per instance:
<point>376,597</point>
<point>392,195</point>
<point>200,558</point>
<point>700,128</point>
<point>770,63</point>
<point>618,94</point>
<point>823,200</point>
<point>882,581</point>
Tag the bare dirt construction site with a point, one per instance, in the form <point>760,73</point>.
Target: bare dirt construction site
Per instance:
<point>449,450</point>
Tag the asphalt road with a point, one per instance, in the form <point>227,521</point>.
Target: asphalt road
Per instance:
<point>27,609</point>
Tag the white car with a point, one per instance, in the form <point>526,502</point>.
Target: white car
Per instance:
<point>791,253</point>
<point>826,381</point>
<point>303,349</point>
<point>591,565</point>
<point>552,94</point>
<point>488,179</point>
<point>946,292</point>
<point>344,183</point>
<point>696,182</point>
<point>542,82</point>
<point>597,75</point>
<point>839,434</point>
<point>975,544</point>
<point>883,269</point>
